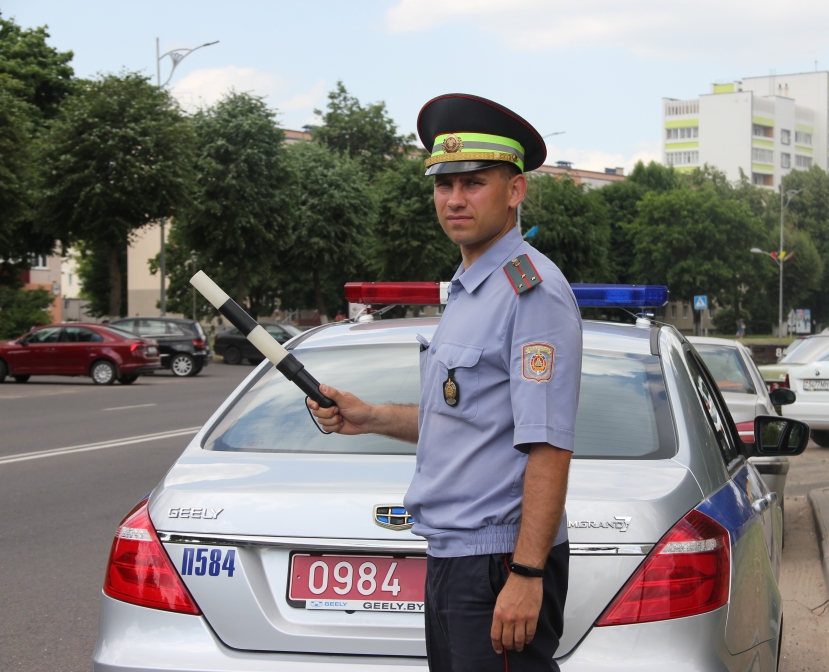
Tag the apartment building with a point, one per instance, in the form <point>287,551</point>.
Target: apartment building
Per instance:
<point>764,126</point>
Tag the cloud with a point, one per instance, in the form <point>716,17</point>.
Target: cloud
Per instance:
<point>596,159</point>
<point>740,31</point>
<point>305,101</point>
<point>207,85</point>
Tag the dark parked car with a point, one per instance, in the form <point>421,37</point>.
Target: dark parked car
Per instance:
<point>104,353</point>
<point>182,343</point>
<point>234,347</point>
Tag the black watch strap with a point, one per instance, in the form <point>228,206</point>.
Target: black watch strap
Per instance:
<point>523,570</point>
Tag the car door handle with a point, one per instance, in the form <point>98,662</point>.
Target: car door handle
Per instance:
<point>763,504</point>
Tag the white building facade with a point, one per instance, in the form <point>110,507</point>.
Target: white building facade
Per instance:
<point>764,126</point>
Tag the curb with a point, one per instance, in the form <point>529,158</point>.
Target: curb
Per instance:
<point>819,499</point>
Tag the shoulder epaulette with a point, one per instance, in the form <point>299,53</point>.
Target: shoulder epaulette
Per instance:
<point>522,274</point>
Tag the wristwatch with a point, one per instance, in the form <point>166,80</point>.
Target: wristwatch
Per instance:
<point>523,570</point>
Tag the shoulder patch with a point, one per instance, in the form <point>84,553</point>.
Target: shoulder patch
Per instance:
<point>522,274</point>
<point>538,361</point>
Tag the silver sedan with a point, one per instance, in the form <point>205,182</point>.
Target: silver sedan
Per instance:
<point>270,546</point>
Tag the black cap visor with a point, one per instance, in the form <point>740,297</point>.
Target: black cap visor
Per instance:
<point>461,167</point>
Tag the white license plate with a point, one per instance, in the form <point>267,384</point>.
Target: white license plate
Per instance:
<point>152,350</point>
<point>815,385</point>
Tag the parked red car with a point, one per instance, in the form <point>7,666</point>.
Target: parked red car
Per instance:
<point>104,353</point>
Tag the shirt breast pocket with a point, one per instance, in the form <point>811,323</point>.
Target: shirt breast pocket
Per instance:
<point>458,363</point>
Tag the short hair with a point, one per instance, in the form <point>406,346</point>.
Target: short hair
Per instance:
<point>509,170</point>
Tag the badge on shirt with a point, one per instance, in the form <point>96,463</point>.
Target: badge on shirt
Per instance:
<point>538,361</point>
<point>451,391</point>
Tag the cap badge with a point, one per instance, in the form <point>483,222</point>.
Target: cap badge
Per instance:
<point>452,143</point>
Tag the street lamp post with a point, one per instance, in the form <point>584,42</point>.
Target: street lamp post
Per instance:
<point>176,56</point>
<point>780,257</point>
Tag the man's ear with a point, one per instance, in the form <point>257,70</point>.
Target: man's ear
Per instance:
<point>518,189</point>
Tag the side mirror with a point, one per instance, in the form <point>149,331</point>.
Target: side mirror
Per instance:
<point>774,435</point>
<point>782,397</point>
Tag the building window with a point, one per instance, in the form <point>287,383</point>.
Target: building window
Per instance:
<point>682,133</point>
<point>760,155</point>
<point>40,263</point>
<point>802,138</point>
<point>673,311</point>
<point>711,311</point>
<point>785,137</point>
<point>802,161</point>
<point>684,311</point>
<point>762,180</point>
<point>785,160</point>
<point>682,158</point>
<point>763,131</point>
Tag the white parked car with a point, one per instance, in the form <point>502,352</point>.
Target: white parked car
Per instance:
<point>810,383</point>
<point>746,396</point>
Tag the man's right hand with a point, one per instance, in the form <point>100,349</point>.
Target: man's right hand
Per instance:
<point>349,415</point>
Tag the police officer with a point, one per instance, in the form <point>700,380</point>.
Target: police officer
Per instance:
<point>495,424</point>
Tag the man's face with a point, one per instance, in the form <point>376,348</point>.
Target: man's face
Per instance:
<point>473,208</point>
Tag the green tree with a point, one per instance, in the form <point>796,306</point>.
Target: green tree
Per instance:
<point>409,243</point>
<point>36,73</point>
<point>235,227</point>
<point>94,275</point>
<point>22,309</point>
<point>573,226</point>
<point>119,156</point>
<point>654,176</point>
<point>332,210</point>
<point>364,132</point>
<point>697,242</point>
<point>34,79</point>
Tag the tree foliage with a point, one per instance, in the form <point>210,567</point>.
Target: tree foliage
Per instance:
<point>363,132</point>
<point>697,242</point>
<point>235,225</point>
<point>573,226</point>
<point>119,158</point>
<point>409,243</point>
<point>331,216</point>
<point>22,309</point>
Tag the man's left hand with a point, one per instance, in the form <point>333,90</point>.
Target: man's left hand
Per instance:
<point>516,613</point>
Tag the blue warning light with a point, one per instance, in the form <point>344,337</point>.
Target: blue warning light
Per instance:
<point>589,295</point>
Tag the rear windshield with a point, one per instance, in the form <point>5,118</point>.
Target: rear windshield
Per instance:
<point>812,350</point>
<point>623,409</point>
<point>727,367</point>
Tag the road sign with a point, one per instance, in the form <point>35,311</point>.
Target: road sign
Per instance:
<point>700,302</point>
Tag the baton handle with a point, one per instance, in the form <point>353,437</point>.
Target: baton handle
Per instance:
<point>288,365</point>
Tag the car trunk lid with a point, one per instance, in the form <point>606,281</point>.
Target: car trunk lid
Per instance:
<point>250,512</point>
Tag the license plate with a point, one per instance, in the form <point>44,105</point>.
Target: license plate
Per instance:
<point>815,385</point>
<point>358,582</point>
<point>152,350</point>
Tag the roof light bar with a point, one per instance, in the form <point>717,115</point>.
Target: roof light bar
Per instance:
<point>405,293</point>
<point>436,293</point>
<point>590,295</point>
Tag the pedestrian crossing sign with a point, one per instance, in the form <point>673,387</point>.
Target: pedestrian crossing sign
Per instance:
<point>700,302</point>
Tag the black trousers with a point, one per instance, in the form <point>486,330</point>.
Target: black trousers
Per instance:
<point>460,601</point>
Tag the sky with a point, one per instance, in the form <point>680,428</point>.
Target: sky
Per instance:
<point>596,69</point>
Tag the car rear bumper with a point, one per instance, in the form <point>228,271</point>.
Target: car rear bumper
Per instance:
<point>138,369</point>
<point>137,639</point>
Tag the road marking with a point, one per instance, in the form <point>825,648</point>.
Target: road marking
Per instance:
<point>124,408</point>
<point>98,446</point>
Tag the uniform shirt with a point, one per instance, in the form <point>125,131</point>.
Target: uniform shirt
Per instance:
<point>516,362</point>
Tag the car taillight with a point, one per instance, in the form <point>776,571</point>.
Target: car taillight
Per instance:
<point>198,343</point>
<point>134,347</point>
<point>386,293</point>
<point>746,431</point>
<point>139,570</point>
<point>687,573</point>
<point>777,386</point>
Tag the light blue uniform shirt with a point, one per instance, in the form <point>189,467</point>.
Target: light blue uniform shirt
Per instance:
<point>516,361</point>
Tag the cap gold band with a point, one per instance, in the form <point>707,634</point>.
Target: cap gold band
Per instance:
<point>471,156</point>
